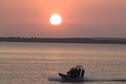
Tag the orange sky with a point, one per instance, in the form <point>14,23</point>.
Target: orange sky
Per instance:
<point>81,18</point>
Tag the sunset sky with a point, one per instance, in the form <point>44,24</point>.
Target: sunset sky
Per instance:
<point>81,18</point>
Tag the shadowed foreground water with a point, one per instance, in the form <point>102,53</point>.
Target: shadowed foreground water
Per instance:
<point>39,63</point>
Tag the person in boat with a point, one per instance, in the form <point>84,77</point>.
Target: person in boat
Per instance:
<point>72,73</point>
<point>76,72</point>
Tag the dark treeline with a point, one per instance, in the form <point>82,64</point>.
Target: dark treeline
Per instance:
<point>66,40</point>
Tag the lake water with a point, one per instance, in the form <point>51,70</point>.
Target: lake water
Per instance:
<point>39,63</point>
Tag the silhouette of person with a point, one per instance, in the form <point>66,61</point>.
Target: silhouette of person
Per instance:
<point>74,73</point>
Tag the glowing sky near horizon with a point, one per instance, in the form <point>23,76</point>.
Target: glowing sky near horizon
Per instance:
<point>81,18</point>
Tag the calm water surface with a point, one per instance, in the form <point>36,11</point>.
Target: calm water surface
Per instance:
<point>39,63</point>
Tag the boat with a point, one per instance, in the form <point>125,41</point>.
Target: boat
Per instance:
<point>74,74</point>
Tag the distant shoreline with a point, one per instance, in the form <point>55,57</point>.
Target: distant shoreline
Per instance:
<point>66,40</point>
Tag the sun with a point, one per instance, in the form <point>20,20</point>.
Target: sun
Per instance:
<point>55,19</point>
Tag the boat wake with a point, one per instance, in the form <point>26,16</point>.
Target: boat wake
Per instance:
<point>88,80</point>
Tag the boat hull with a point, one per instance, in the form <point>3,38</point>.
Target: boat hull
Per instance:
<point>67,78</point>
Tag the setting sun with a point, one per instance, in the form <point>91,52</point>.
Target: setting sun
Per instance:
<point>55,19</point>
